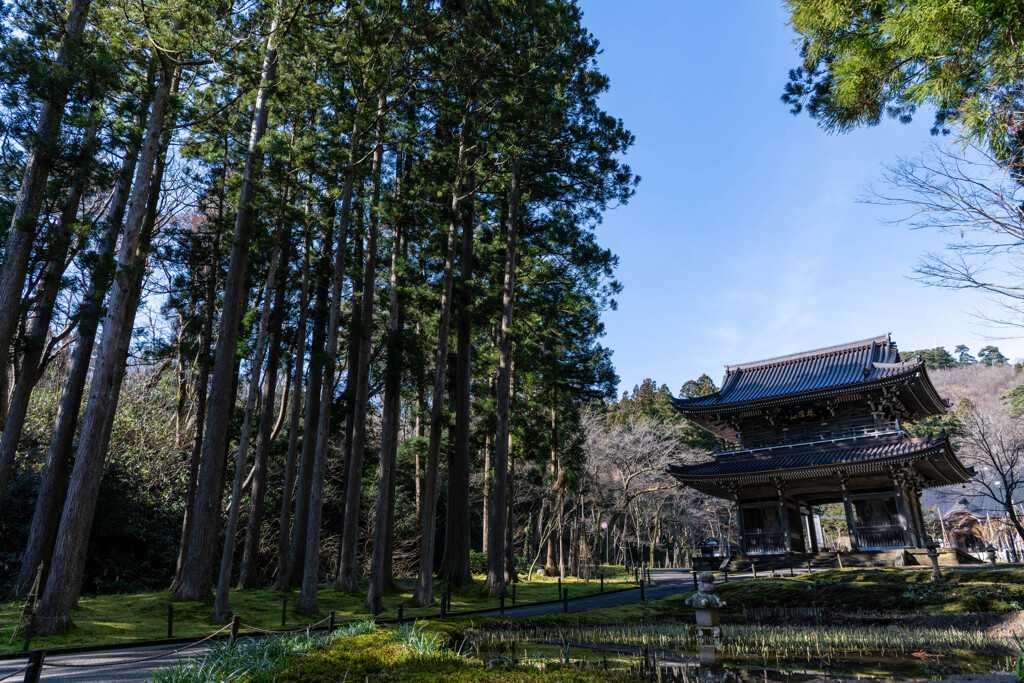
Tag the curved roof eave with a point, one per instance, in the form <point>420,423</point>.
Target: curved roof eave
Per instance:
<point>963,473</point>
<point>680,404</point>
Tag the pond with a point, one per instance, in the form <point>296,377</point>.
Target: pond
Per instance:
<point>667,651</point>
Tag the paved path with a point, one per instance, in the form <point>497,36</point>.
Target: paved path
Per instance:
<point>668,582</point>
<point>87,670</point>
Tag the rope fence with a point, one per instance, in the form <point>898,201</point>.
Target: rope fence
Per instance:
<point>37,658</point>
<point>311,627</point>
<point>126,662</point>
<point>14,673</point>
<point>40,655</point>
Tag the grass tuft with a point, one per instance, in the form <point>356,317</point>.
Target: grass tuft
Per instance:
<point>113,619</point>
<point>256,660</point>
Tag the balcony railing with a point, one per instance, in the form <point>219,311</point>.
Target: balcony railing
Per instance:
<point>879,537</point>
<point>764,542</point>
<point>811,435</point>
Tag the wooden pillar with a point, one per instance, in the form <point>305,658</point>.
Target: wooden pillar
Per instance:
<point>740,530</point>
<point>901,510</point>
<point>796,527</point>
<point>915,503</point>
<point>805,526</point>
<point>925,538</point>
<point>804,534</point>
<point>913,523</point>
<point>784,517</point>
<point>812,529</point>
<point>851,526</point>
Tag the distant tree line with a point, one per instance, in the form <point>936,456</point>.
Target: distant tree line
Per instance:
<point>939,357</point>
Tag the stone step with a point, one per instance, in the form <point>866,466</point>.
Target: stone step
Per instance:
<point>897,557</point>
<point>947,557</point>
<point>817,561</point>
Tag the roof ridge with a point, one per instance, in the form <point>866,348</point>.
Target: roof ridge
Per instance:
<point>806,355</point>
<point>838,443</point>
<point>916,360</point>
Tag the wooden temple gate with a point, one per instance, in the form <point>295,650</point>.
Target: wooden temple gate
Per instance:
<point>823,427</point>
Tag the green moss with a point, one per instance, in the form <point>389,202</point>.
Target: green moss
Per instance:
<point>962,591</point>
<point>111,619</point>
<point>122,618</point>
<point>844,591</point>
<point>379,657</point>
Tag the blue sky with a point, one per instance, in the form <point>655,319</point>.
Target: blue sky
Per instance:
<point>745,239</point>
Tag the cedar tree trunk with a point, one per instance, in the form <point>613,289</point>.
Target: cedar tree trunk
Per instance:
<point>347,564</point>
<point>307,603</point>
<point>496,546</point>
<point>196,571</point>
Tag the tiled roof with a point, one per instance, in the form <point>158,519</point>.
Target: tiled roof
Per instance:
<point>843,454</point>
<point>953,500</point>
<point>859,362</point>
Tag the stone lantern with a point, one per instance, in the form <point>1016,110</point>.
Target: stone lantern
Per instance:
<point>706,603</point>
<point>990,552</point>
<point>933,555</point>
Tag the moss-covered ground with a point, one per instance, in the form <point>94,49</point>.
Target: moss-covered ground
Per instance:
<point>475,649</point>
<point>842,591</point>
<point>426,651</point>
<point>380,657</point>
<point>112,619</point>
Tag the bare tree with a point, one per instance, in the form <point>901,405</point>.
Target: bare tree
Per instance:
<point>978,203</point>
<point>630,460</point>
<point>990,438</point>
<point>629,487</point>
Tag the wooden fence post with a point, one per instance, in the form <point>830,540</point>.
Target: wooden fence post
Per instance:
<point>235,622</point>
<point>35,666</point>
<point>28,633</point>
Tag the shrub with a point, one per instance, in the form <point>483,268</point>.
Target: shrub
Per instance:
<point>477,562</point>
<point>133,545</point>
